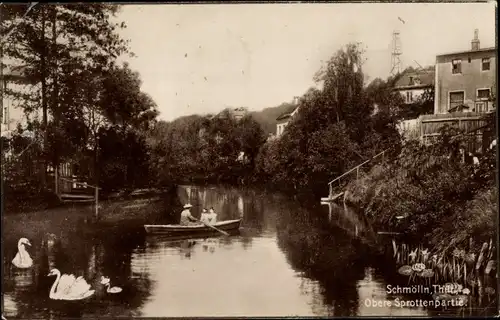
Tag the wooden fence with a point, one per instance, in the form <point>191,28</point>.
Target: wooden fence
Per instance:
<point>426,127</point>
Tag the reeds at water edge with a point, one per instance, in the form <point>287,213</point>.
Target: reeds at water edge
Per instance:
<point>465,269</point>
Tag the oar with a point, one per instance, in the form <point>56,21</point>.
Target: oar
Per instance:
<point>216,229</point>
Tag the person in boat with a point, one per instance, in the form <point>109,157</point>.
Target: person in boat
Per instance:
<point>186,218</point>
<point>212,217</point>
<point>204,216</point>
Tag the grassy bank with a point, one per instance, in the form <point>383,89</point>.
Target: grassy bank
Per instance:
<point>434,200</point>
<point>444,210</point>
<point>429,194</point>
<point>439,209</point>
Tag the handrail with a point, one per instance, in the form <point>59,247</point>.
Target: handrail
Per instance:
<point>96,196</point>
<point>356,167</point>
<point>80,183</point>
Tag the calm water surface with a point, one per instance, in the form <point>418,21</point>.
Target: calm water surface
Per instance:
<point>287,261</point>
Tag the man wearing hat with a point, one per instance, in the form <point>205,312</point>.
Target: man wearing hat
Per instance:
<point>186,217</point>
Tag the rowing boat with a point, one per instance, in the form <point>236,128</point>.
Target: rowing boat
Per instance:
<point>175,229</point>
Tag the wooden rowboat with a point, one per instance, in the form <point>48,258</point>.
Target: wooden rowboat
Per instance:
<point>175,229</point>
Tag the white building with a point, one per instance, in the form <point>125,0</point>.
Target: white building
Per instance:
<point>12,114</point>
<point>412,85</point>
<point>284,119</point>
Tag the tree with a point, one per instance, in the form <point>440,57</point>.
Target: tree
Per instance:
<point>335,129</point>
<point>251,138</point>
<point>342,79</point>
<point>54,43</point>
<point>222,146</point>
<point>162,158</point>
<point>123,102</point>
<point>381,93</point>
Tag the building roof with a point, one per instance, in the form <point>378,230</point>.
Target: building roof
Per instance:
<point>416,79</point>
<point>288,112</point>
<point>467,51</point>
<point>236,113</point>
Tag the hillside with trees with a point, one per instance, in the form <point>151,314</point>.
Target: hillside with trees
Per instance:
<point>267,117</point>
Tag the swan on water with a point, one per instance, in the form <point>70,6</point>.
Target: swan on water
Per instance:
<point>22,258</point>
<point>67,287</point>
<point>105,281</point>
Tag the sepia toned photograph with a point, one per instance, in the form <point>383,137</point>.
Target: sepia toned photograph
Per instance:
<point>249,160</point>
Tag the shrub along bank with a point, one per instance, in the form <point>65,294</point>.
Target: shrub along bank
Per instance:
<point>431,196</point>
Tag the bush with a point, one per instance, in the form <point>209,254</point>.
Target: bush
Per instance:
<point>430,195</point>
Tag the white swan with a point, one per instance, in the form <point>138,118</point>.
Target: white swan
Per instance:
<point>105,281</point>
<point>22,258</point>
<point>69,287</point>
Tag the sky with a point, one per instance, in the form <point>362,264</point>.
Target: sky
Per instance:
<point>201,58</point>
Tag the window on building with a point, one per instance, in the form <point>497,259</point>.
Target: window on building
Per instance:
<point>411,81</point>
<point>409,96</point>
<point>456,99</point>
<point>485,65</point>
<point>481,107</point>
<point>483,94</point>
<point>456,66</point>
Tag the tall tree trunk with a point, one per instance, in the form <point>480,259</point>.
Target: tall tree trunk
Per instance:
<point>43,57</point>
<point>1,78</point>
<point>55,92</point>
<point>96,161</point>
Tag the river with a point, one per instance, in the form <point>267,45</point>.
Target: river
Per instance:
<point>288,261</point>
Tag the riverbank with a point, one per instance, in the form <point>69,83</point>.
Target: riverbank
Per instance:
<point>118,215</point>
<point>25,202</point>
<point>444,211</point>
<point>442,208</point>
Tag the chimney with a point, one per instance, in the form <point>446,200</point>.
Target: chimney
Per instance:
<point>475,41</point>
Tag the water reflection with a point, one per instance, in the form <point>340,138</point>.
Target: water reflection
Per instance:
<point>311,248</point>
<point>218,279</point>
<point>350,222</point>
<point>241,206</point>
<point>288,261</point>
<point>374,300</point>
<point>26,292</point>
